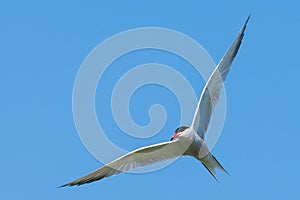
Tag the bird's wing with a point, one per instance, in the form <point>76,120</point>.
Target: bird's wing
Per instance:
<point>141,157</point>
<point>211,92</point>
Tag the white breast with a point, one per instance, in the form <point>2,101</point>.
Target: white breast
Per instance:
<point>196,146</point>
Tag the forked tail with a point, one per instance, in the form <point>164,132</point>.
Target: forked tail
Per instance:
<point>211,163</point>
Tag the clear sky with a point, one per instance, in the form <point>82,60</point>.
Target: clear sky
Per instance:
<point>43,45</point>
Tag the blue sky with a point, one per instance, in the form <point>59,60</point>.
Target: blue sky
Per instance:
<point>43,46</point>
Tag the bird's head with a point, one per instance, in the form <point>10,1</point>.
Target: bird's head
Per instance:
<point>178,132</point>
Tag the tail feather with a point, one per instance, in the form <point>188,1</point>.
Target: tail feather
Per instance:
<point>211,171</point>
<point>219,166</point>
<point>211,163</point>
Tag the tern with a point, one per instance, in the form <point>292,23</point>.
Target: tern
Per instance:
<point>187,141</point>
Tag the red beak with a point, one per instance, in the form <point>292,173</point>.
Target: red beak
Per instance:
<point>174,136</point>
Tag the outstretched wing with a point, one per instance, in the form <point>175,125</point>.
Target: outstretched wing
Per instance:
<point>141,157</point>
<point>211,92</point>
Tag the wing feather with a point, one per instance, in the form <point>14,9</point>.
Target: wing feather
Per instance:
<point>211,92</point>
<point>141,157</point>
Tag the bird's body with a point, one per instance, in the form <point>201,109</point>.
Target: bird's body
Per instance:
<point>187,141</point>
<point>200,151</point>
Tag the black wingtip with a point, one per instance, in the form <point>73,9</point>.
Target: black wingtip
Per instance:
<point>245,25</point>
<point>66,185</point>
<point>62,186</point>
<point>248,18</point>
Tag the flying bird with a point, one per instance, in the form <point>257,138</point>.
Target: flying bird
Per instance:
<point>187,141</point>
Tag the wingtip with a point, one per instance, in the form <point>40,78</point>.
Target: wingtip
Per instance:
<point>242,30</point>
<point>61,186</point>
<point>248,18</point>
<point>245,24</point>
<point>66,185</point>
